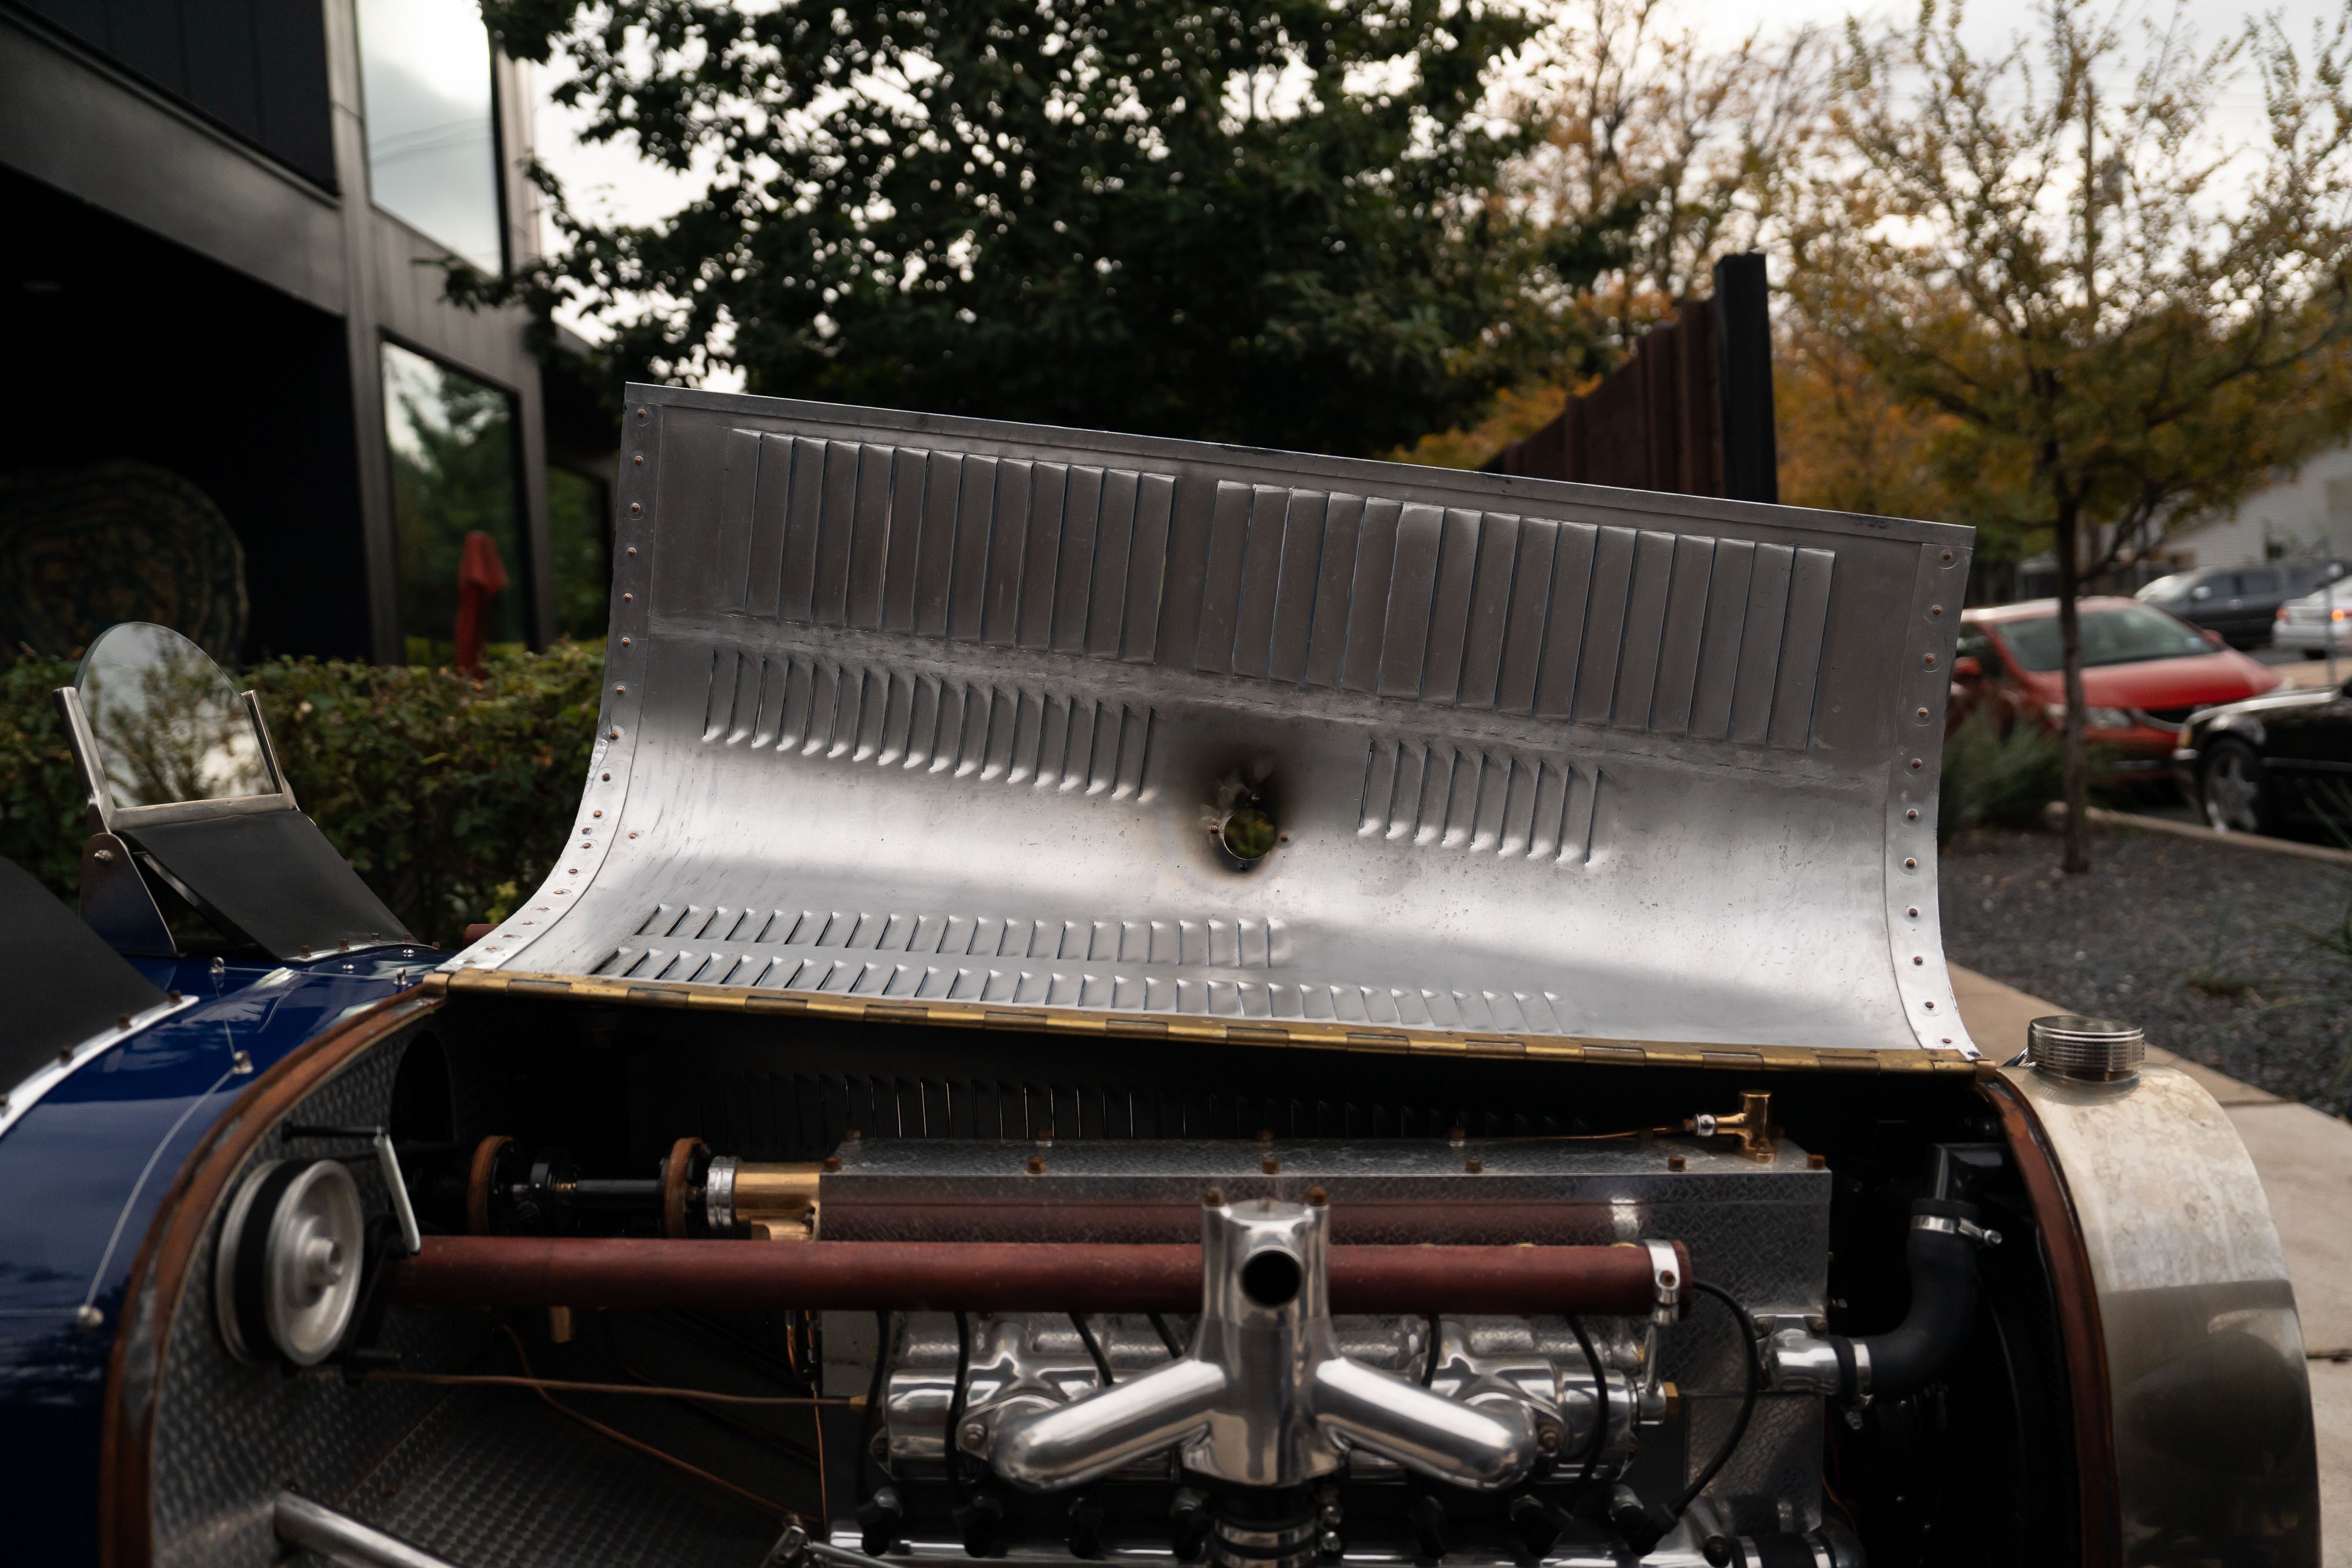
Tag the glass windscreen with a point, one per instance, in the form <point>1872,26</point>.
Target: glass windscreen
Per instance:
<point>432,142</point>
<point>455,514</point>
<point>169,727</point>
<point>2128,635</point>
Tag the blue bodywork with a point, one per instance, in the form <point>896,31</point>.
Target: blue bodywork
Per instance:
<point>81,1176</point>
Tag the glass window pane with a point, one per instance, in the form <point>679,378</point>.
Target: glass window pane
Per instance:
<point>455,510</point>
<point>2129,634</point>
<point>578,560</point>
<point>425,68</point>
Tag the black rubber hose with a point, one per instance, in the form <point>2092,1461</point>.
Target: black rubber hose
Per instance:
<point>1601,1394</point>
<point>1746,1334</point>
<point>955,1400</point>
<point>1094,1348</point>
<point>874,1395</point>
<point>1167,1336</point>
<point>1943,1266</point>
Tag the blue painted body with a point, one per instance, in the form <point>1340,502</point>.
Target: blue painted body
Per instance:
<point>81,1176</point>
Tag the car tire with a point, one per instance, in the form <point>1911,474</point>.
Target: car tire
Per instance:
<point>2235,796</point>
<point>2315,653</point>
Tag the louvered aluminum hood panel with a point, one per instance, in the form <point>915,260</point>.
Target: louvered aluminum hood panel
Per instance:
<point>934,710</point>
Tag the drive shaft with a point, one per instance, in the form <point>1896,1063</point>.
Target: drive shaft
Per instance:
<point>721,1275</point>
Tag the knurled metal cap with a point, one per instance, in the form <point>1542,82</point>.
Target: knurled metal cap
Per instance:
<point>2095,1051</point>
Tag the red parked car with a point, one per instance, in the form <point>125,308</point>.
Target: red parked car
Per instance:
<point>2144,672</point>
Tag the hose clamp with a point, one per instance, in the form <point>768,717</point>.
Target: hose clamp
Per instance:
<point>791,1550</point>
<point>719,1196</point>
<point>1946,1225</point>
<point>1665,1282</point>
<point>1861,1372</point>
<point>1802,1362</point>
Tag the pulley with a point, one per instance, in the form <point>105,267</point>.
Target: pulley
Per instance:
<point>286,1274</point>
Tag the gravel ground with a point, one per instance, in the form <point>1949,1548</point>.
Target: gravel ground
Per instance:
<point>2206,947</point>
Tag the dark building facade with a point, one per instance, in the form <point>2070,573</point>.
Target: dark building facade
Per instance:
<point>230,224</point>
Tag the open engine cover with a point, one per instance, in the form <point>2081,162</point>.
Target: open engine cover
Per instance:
<point>941,714</point>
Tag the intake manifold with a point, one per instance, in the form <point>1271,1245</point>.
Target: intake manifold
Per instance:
<point>1263,1397</point>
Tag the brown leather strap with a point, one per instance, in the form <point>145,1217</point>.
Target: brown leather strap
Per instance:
<point>2083,1339</point>
<point>478,1183</point>
<point>674,1175</point>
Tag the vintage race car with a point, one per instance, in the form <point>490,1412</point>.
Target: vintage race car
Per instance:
<point>1114,999</point>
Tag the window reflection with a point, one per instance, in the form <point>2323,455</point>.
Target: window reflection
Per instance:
<point>579,561</point>
<point>462,590</point>
<point>425,68</point>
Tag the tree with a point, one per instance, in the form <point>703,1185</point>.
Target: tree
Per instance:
<point>1267,223</point>
<point>2128,321</point>
<point>1648,154</point>
<point>1661,150</point>
<point>1848,444</point>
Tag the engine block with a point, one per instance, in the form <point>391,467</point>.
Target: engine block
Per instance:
<point>1758,1227</point>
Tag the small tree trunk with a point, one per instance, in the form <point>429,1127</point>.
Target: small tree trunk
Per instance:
<point>2077,854</point>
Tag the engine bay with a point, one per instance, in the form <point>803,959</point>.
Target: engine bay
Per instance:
<point>1138,1302</point>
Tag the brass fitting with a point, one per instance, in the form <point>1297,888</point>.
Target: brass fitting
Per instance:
<point>773,1202</point>
<point>1751,1124</point>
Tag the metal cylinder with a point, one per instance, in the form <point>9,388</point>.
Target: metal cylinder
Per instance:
<point>1292,1543</point>
<point>773,1202</point>
<point>339,1538</point>
<point>635,1271</point>
<point>2087,1049</point>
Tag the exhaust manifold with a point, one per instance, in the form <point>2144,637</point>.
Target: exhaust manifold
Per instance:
<point>1263,1397</point>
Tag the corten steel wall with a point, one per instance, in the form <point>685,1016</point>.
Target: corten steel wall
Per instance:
<point>1691,412</point>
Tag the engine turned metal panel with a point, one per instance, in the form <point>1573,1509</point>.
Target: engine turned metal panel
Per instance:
<point>945,712</point>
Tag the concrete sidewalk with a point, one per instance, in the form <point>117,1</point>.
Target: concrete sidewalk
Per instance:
<point>2306,1161</point>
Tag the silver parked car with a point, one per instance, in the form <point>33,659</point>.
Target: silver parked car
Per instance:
<point>2318,618</point>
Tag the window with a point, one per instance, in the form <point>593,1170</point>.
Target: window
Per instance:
<point>2129,634</point>
<point>432,159</point>
<point>578,554</point>
<point>2258,582</point>
<point>456,516</point>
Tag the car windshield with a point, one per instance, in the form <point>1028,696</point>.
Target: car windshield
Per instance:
<point>2128,635</point>
<point>2164,588</point>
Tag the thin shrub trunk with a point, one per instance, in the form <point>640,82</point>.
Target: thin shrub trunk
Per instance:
<point>2076,777</point>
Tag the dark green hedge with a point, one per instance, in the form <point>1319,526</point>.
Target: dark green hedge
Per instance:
<point>449,794</point>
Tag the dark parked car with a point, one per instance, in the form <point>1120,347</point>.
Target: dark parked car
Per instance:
<point>2257,766</point>
<point>2240,602</point>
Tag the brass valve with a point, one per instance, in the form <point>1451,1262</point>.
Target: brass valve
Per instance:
<point>1751,1124</point>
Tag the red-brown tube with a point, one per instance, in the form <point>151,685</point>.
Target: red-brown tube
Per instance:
<point>909,1276</point>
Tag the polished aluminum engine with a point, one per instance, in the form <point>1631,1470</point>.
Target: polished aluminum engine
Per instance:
<point>1395,1424</point>
<point>1023,1361</point>
<point>1265,1396</point>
